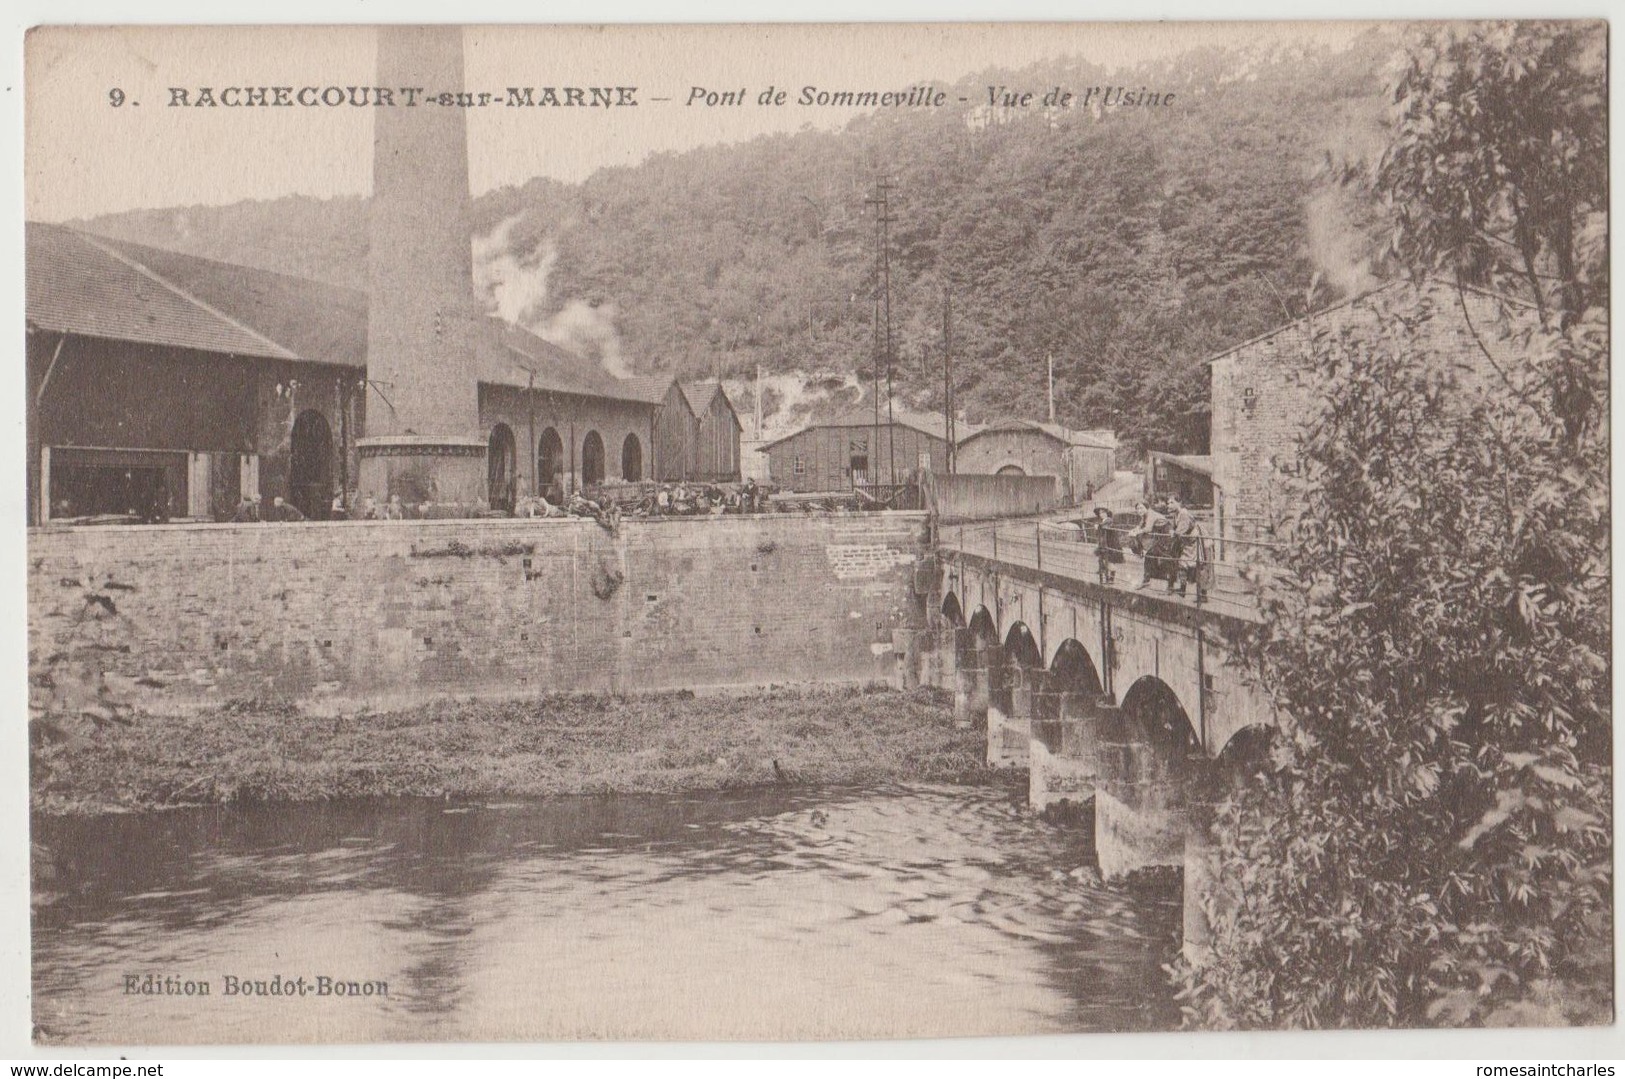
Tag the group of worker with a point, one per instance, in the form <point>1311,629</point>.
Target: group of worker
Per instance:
<point>1169,537</point>
<point>252,510</point>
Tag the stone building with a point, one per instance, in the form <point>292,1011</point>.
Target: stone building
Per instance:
<point>158,377</point>
<point>1083,461</point>
<point>1262,400</point>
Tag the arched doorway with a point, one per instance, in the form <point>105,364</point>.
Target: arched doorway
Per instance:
<point>310,465</point>
<point>632,459</point>
<point>550,466</point>
<point>592,459</point>
<point>501,468</point>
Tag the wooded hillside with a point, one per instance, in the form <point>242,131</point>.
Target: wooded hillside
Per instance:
<point>1130,244</point>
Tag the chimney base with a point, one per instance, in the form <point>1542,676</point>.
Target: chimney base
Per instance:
<point>433,475</point>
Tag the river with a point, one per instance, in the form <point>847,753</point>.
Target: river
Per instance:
<point>904,911</point>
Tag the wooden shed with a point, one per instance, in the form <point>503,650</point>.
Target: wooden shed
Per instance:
<point>850,451</point>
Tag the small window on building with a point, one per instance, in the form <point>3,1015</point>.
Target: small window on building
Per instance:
<point>801,465</point>
<point>860,464</point>
<point>925,460</point>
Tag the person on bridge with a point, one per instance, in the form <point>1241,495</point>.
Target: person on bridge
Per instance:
<point>1190,553</point>
<point>1109,542</point>
<point>1152,538</point>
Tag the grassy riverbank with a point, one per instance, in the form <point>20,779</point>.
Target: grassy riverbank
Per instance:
<point>555,745</point>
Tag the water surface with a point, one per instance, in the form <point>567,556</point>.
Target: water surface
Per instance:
<point>909,911</point>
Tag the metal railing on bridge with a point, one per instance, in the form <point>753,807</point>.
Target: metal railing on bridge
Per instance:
<point>1067,551</point>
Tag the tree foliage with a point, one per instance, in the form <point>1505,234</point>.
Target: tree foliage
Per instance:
<point>1430,839</point>
<point>1498,173</point>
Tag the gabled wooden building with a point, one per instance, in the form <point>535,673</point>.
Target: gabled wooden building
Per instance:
<point>676,427</point>
<point>715,456</point>
<point>852,450</point>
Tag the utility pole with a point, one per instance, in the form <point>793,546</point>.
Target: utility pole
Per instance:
<point>949,424</point>
<point>1049,359</point>
<point>873,456</point>
<point>883,236</point>
<point>925,371</point>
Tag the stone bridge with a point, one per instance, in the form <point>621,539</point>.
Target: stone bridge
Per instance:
<point>1108,693</point>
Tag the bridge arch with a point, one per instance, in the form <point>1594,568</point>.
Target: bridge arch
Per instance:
<point>1021,647</point>
<point>982,627</point>
<point>952,613</point>
<point>1247,750</point>
<point>1015,685</point>
<point>976,652</point>
<point>1153,705</point>
<point>1064,753</point>
<point>1073,671</point>
<point>1243,757</point>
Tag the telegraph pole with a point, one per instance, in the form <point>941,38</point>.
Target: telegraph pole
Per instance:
<point>872,458</point>
<point>1049,360</point>
<point>949,426</point>
<point>883,235</point>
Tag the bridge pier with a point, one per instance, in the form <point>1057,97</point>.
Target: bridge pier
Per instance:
<point>969,682</point>
<point>973,684</point>
<point>1008,730</point>
<point>1064,757</point>
<point>938,657</point>
<point>1139,799</point>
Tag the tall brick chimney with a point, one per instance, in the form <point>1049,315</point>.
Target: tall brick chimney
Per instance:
<point>422,438</point>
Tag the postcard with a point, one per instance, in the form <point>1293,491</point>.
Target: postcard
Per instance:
<point>816,532</point>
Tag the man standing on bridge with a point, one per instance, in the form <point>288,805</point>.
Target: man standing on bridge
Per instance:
<point>1190,551</point>
<point>1159,564</point>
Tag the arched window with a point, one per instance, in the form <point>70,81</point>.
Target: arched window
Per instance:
<point>632,459</point>
<point>592,459</point>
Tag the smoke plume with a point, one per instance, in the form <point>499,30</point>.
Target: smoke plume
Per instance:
<point>515,286</point>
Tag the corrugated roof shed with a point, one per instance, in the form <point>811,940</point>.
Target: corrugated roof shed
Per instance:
<point>1056,431</point>
<point>864,416</point>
